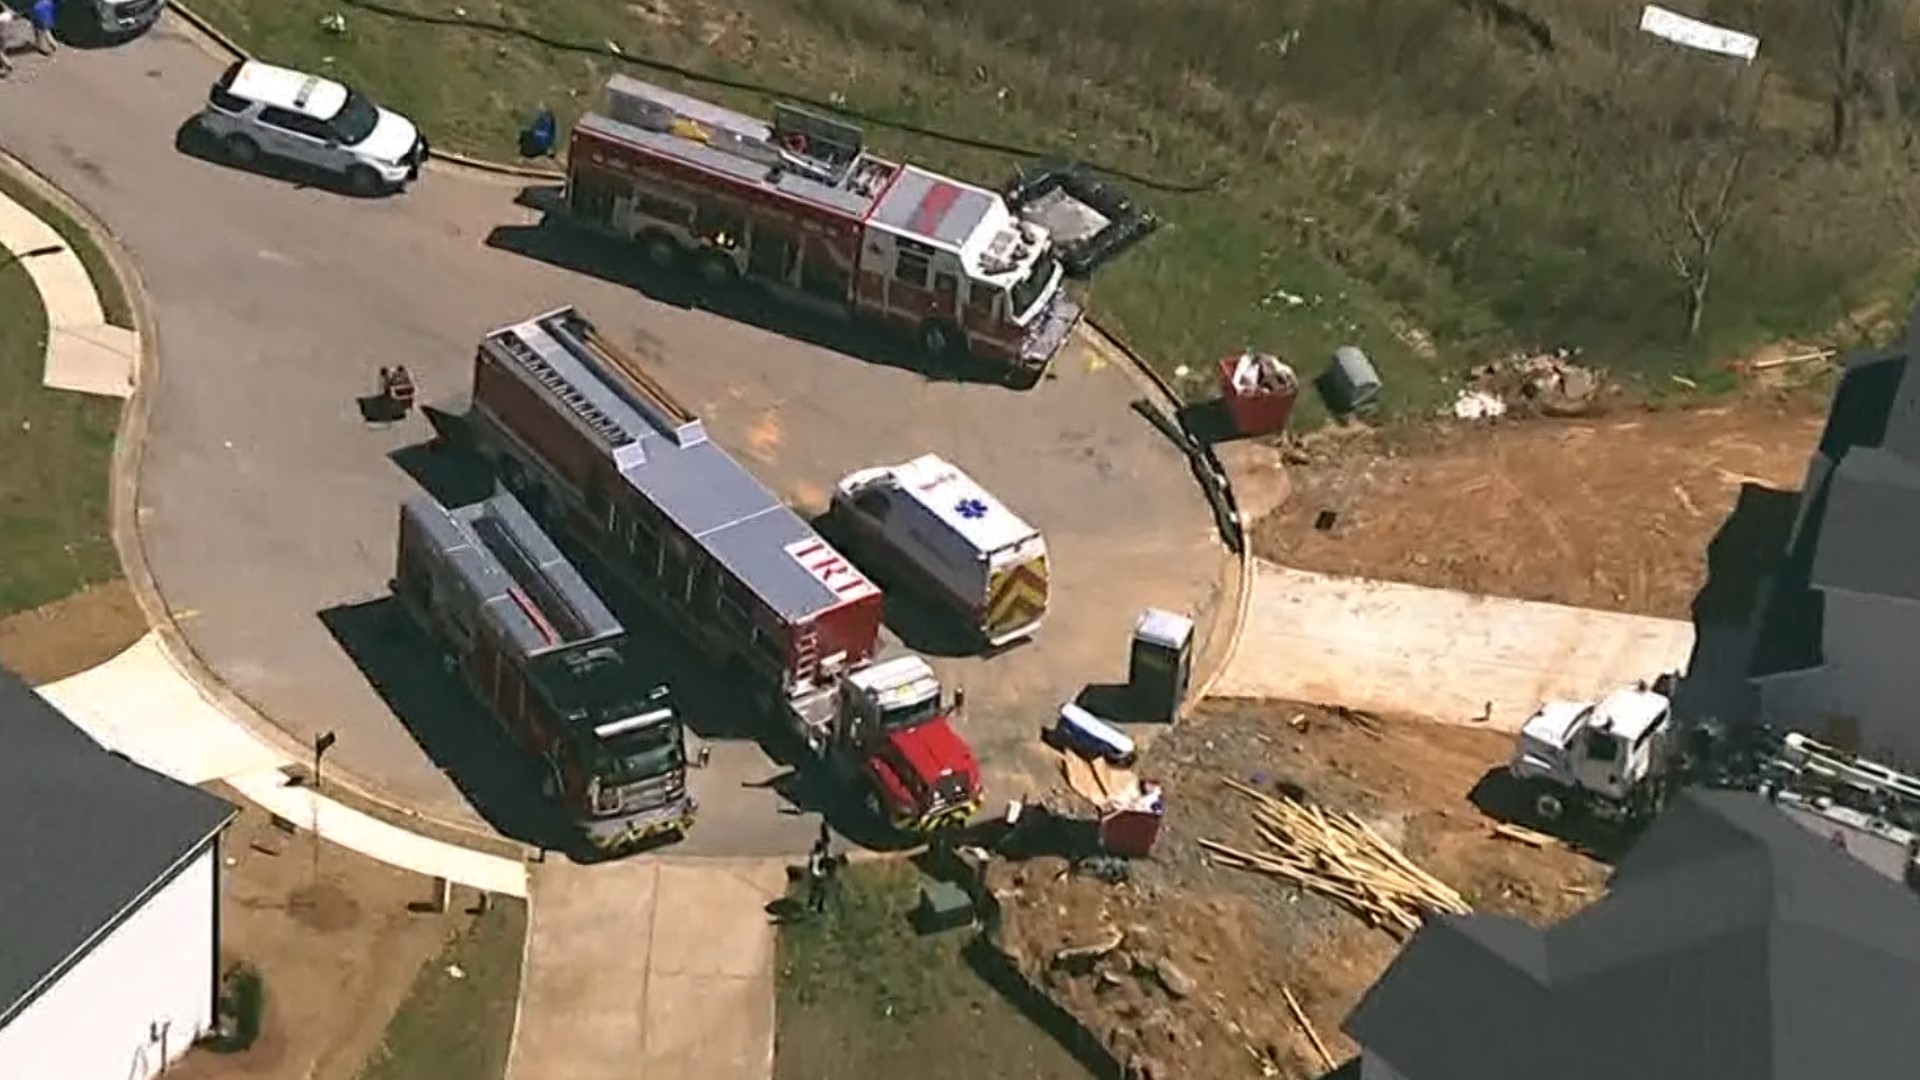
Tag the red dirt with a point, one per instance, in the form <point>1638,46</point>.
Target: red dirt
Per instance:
<point>1611,512</point>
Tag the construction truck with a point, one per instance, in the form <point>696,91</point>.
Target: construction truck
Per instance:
<point>800,207</point>
<point>1608,760</point>
<point>932,524</point>
<point>552,664</point>
<point>1615,762</point>
<point>597,448</point>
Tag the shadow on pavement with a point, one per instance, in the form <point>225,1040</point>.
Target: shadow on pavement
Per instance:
<point>458,735</point>
<point>619,262</point>
<point>453,477</point>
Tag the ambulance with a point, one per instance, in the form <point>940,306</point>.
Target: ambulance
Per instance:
<point>936,526</point>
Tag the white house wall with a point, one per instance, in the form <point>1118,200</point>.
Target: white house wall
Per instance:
<point>144,991</point>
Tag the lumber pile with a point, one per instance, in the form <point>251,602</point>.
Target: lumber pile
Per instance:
<point>1341,857</point>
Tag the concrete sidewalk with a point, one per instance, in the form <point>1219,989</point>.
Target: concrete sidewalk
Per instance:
<point>1392,648</point>
<point>84,353</point>
<point>141,704</point>
<point>649,969</point>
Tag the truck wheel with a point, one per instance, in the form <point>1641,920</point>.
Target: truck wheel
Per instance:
<point>363,181</point>
<point>716,271</point>
<point>1550,807</point>
<point>240,150</point>
<point>941,340</point>
<point>662,252</point>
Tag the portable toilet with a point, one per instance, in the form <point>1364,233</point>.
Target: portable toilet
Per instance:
<point>1159,664</point>
<point>1350,382</point>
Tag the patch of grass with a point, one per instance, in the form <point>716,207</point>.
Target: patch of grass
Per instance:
<point>56,449</point>
<point>462,1026</point>
<point>863,997</point>
<point>1402,175</point>
<point>113,298</point>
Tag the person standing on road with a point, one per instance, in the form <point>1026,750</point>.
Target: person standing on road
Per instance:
<point>8,26</point>
<point>43,16</point>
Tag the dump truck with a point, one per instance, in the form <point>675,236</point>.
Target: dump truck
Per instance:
<point>552,664</point>
<point>801,208</point>
<point>600,450</point>
<point>927,521</point>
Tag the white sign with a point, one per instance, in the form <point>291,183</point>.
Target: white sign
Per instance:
<point>1695,34</point>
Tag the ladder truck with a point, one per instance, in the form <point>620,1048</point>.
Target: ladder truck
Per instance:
<point>1615,761</point>
<point>801,208</point>
<point>601,451</point>
<point>552,664</point>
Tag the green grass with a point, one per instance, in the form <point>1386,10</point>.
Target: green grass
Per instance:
<point>450,1027</point>
<point>56,451</point>
<point>1412,172</point>
<point>863,997</point>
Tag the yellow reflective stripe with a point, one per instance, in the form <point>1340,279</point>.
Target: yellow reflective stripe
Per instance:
<point>1016,595</point>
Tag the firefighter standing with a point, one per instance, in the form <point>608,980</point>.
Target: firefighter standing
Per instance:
<point>820,869</point>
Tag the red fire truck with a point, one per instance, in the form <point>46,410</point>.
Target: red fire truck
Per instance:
<point>800,207</point>
<point>600,449</point>
<point>550,661</point>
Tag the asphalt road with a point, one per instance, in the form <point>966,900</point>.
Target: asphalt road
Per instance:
<point>268,504</point>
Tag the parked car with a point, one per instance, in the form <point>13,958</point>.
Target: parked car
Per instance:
<point>258,111</point>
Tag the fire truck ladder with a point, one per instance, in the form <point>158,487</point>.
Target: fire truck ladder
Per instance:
<point>606,427</point>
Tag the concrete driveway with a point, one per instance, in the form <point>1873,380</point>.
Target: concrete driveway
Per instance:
<point>268,506</point>
<point>648,969</point>
<point>1433,653</point>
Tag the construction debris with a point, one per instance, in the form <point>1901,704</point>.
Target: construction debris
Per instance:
<point>1306,1026</point>
<point>1478,405</point>
<point>1521,834</point>
<point>1341,857</point>
<point>1547,384</point>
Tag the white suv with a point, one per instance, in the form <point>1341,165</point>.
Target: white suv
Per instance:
<point>258,110</point>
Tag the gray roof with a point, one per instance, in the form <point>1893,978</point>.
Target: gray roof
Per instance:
<point>1866,533</point>
<point>662,450</point>
<point>524,587</point>
<point>738,146</point>
<point>1861,505</point>
<point>932,207</point>
<point>84,835</point>
<point>1733,944</point>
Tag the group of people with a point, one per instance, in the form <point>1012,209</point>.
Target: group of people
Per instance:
<point>40,17</point>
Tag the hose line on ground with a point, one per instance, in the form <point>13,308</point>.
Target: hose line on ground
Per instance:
<point>648,63</point>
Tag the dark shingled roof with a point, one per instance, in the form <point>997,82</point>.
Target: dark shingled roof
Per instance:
<point>84,833</point>
<point>1733,944</point>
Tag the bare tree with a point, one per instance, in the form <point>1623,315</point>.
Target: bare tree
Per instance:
<point>1695,175</point>
<point>1854,22</point>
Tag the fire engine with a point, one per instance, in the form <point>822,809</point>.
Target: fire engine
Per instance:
<point>554,666</point>
<point>801,207</point>
<point>599,449</point>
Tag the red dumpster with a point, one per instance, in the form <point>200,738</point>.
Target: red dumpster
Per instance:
<point>1259,391</point>
<point>1129,828</point>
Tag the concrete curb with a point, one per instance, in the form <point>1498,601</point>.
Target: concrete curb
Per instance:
<point>1243,572</point>
<point>129,445</point>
